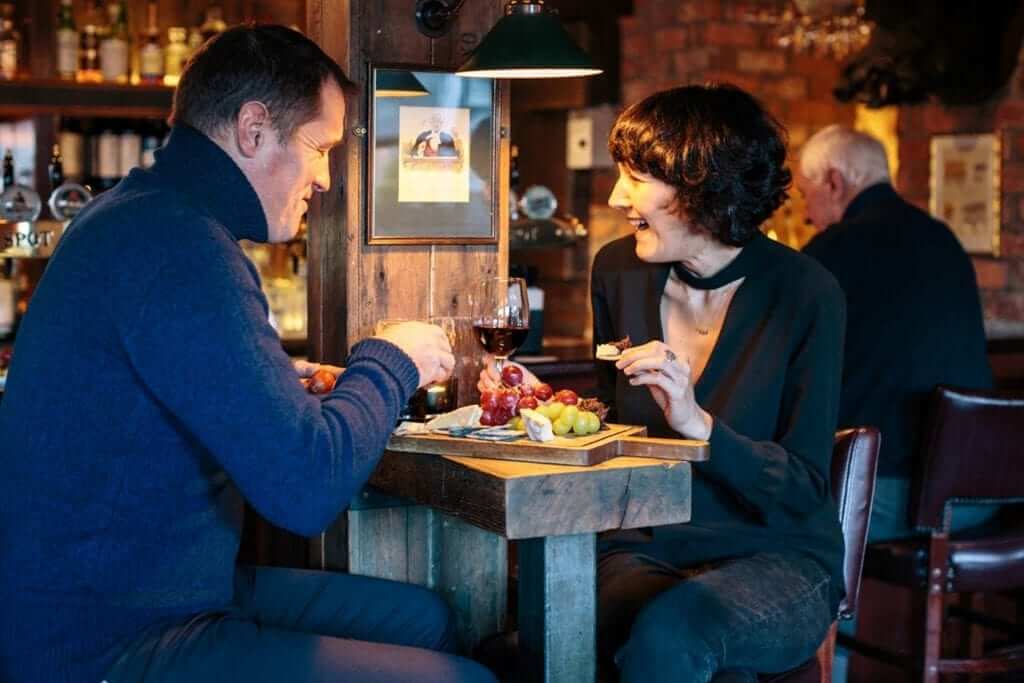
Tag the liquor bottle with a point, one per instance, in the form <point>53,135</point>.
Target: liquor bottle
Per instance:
<point>67,42</point>
<point>93,30</point>
<point>175,55</point>
<point>107,169</point>
<point>8,169</point>
<point>8,43</point>
<point>129,151</point>
<point>213,22</point>
<point>151,55</point>
<point>71,144</point>
<point>195,40</point>
<point>115,50</point>
<point>55,169</point>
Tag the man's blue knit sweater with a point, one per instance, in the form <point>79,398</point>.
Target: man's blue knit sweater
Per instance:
<point>148,396</point>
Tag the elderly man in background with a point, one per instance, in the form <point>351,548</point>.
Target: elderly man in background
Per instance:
<point>914,318</point>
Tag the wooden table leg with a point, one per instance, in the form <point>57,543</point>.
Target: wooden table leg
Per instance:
<point>416,544</point>
<point>557,608</point>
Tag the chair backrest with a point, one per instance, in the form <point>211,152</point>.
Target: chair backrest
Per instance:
<point>971,449</point>
<point>854,461</point>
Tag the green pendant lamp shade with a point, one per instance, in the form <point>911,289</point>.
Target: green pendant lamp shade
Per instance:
<point>398,83</point>
<point>528,42</point>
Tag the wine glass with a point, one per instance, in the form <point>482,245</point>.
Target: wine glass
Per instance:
<point>501,316</point>
<point>436,398</point>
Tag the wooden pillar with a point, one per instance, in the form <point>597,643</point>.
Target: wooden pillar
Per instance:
<point>351,284</point>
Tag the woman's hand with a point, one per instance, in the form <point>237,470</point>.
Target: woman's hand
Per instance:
<point>490,378</point>
<point>656,366</point>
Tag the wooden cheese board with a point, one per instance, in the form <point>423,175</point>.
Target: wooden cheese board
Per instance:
<point>611,442</point>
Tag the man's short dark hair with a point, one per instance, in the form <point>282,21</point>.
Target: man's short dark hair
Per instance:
<point>272,64</point>
<point>717,146</point>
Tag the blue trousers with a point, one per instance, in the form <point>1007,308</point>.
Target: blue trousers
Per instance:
<point>656,622</point>
<point>306,627</point>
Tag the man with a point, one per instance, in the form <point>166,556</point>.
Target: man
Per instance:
<point>914,318</point>
<point>913,315</point>
<point>149,396</point>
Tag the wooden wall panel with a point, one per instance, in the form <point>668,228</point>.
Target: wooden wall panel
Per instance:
<point>388,281</point>
<point>351,284</point>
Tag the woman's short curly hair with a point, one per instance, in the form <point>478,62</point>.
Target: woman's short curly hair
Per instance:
<point>717,146</point>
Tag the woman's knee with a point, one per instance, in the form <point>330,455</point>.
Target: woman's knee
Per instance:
<point>665,641</point>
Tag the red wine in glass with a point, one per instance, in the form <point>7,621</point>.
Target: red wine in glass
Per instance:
<point>501,316</point>
<point>500,340</point>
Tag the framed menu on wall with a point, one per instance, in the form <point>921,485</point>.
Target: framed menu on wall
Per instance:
<point>432,159</point>
<point>965,188</point>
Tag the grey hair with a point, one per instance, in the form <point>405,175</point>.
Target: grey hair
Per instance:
<point>859,157</point>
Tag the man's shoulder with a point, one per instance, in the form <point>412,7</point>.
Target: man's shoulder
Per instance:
<point>143,211</point>
<point>802,274</point>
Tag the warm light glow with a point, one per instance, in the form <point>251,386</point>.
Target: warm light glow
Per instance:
<point>883,124</point>
<point>399,93</point>
<point>828,28</point>
<point>529,73</point>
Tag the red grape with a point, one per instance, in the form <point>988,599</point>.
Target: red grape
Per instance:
<point>525,389</point>
<point>567,396</point>
<point>489,400</point>
<point>487,418</point>
<point>508,399</point>
<point>530,402</point>
<point>543,391</point>
<point>512,375</point>
<point>321,382</point>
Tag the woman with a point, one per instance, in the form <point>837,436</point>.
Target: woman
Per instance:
<point>740,343</point>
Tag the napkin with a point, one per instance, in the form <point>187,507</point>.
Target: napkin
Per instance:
<point>466,416</point>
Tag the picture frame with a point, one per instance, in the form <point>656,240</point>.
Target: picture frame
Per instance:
<point>432,161</point>
<point>964,189</point>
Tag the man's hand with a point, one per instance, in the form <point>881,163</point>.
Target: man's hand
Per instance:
<point>427,346</point>
<point>317,378</point>
<point>305,368</point>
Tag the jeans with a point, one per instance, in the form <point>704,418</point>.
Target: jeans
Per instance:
<point>305,627</point>
<point>764,613</point>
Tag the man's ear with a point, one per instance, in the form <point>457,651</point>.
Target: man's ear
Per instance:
<point>836,184</point>
<point>252,128</point>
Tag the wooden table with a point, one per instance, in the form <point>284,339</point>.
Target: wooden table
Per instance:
<point>445,522</point>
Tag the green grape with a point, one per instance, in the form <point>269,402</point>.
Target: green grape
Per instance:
<point>593,422</point>
<point>555,409</point>
<point>561,427</point>
<point>569,414</point>
<point>580,425</point>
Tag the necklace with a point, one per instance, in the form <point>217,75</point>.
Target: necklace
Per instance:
<point>716,304</point>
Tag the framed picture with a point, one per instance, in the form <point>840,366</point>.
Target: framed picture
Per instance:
<point>432,161</point>
<point>965,189</point>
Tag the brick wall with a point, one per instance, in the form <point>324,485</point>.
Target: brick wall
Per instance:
<point>668,43</point>
<point>1001,278</point>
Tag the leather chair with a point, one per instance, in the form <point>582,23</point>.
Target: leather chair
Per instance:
<point>972,451</point>
<point>854,461</point>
